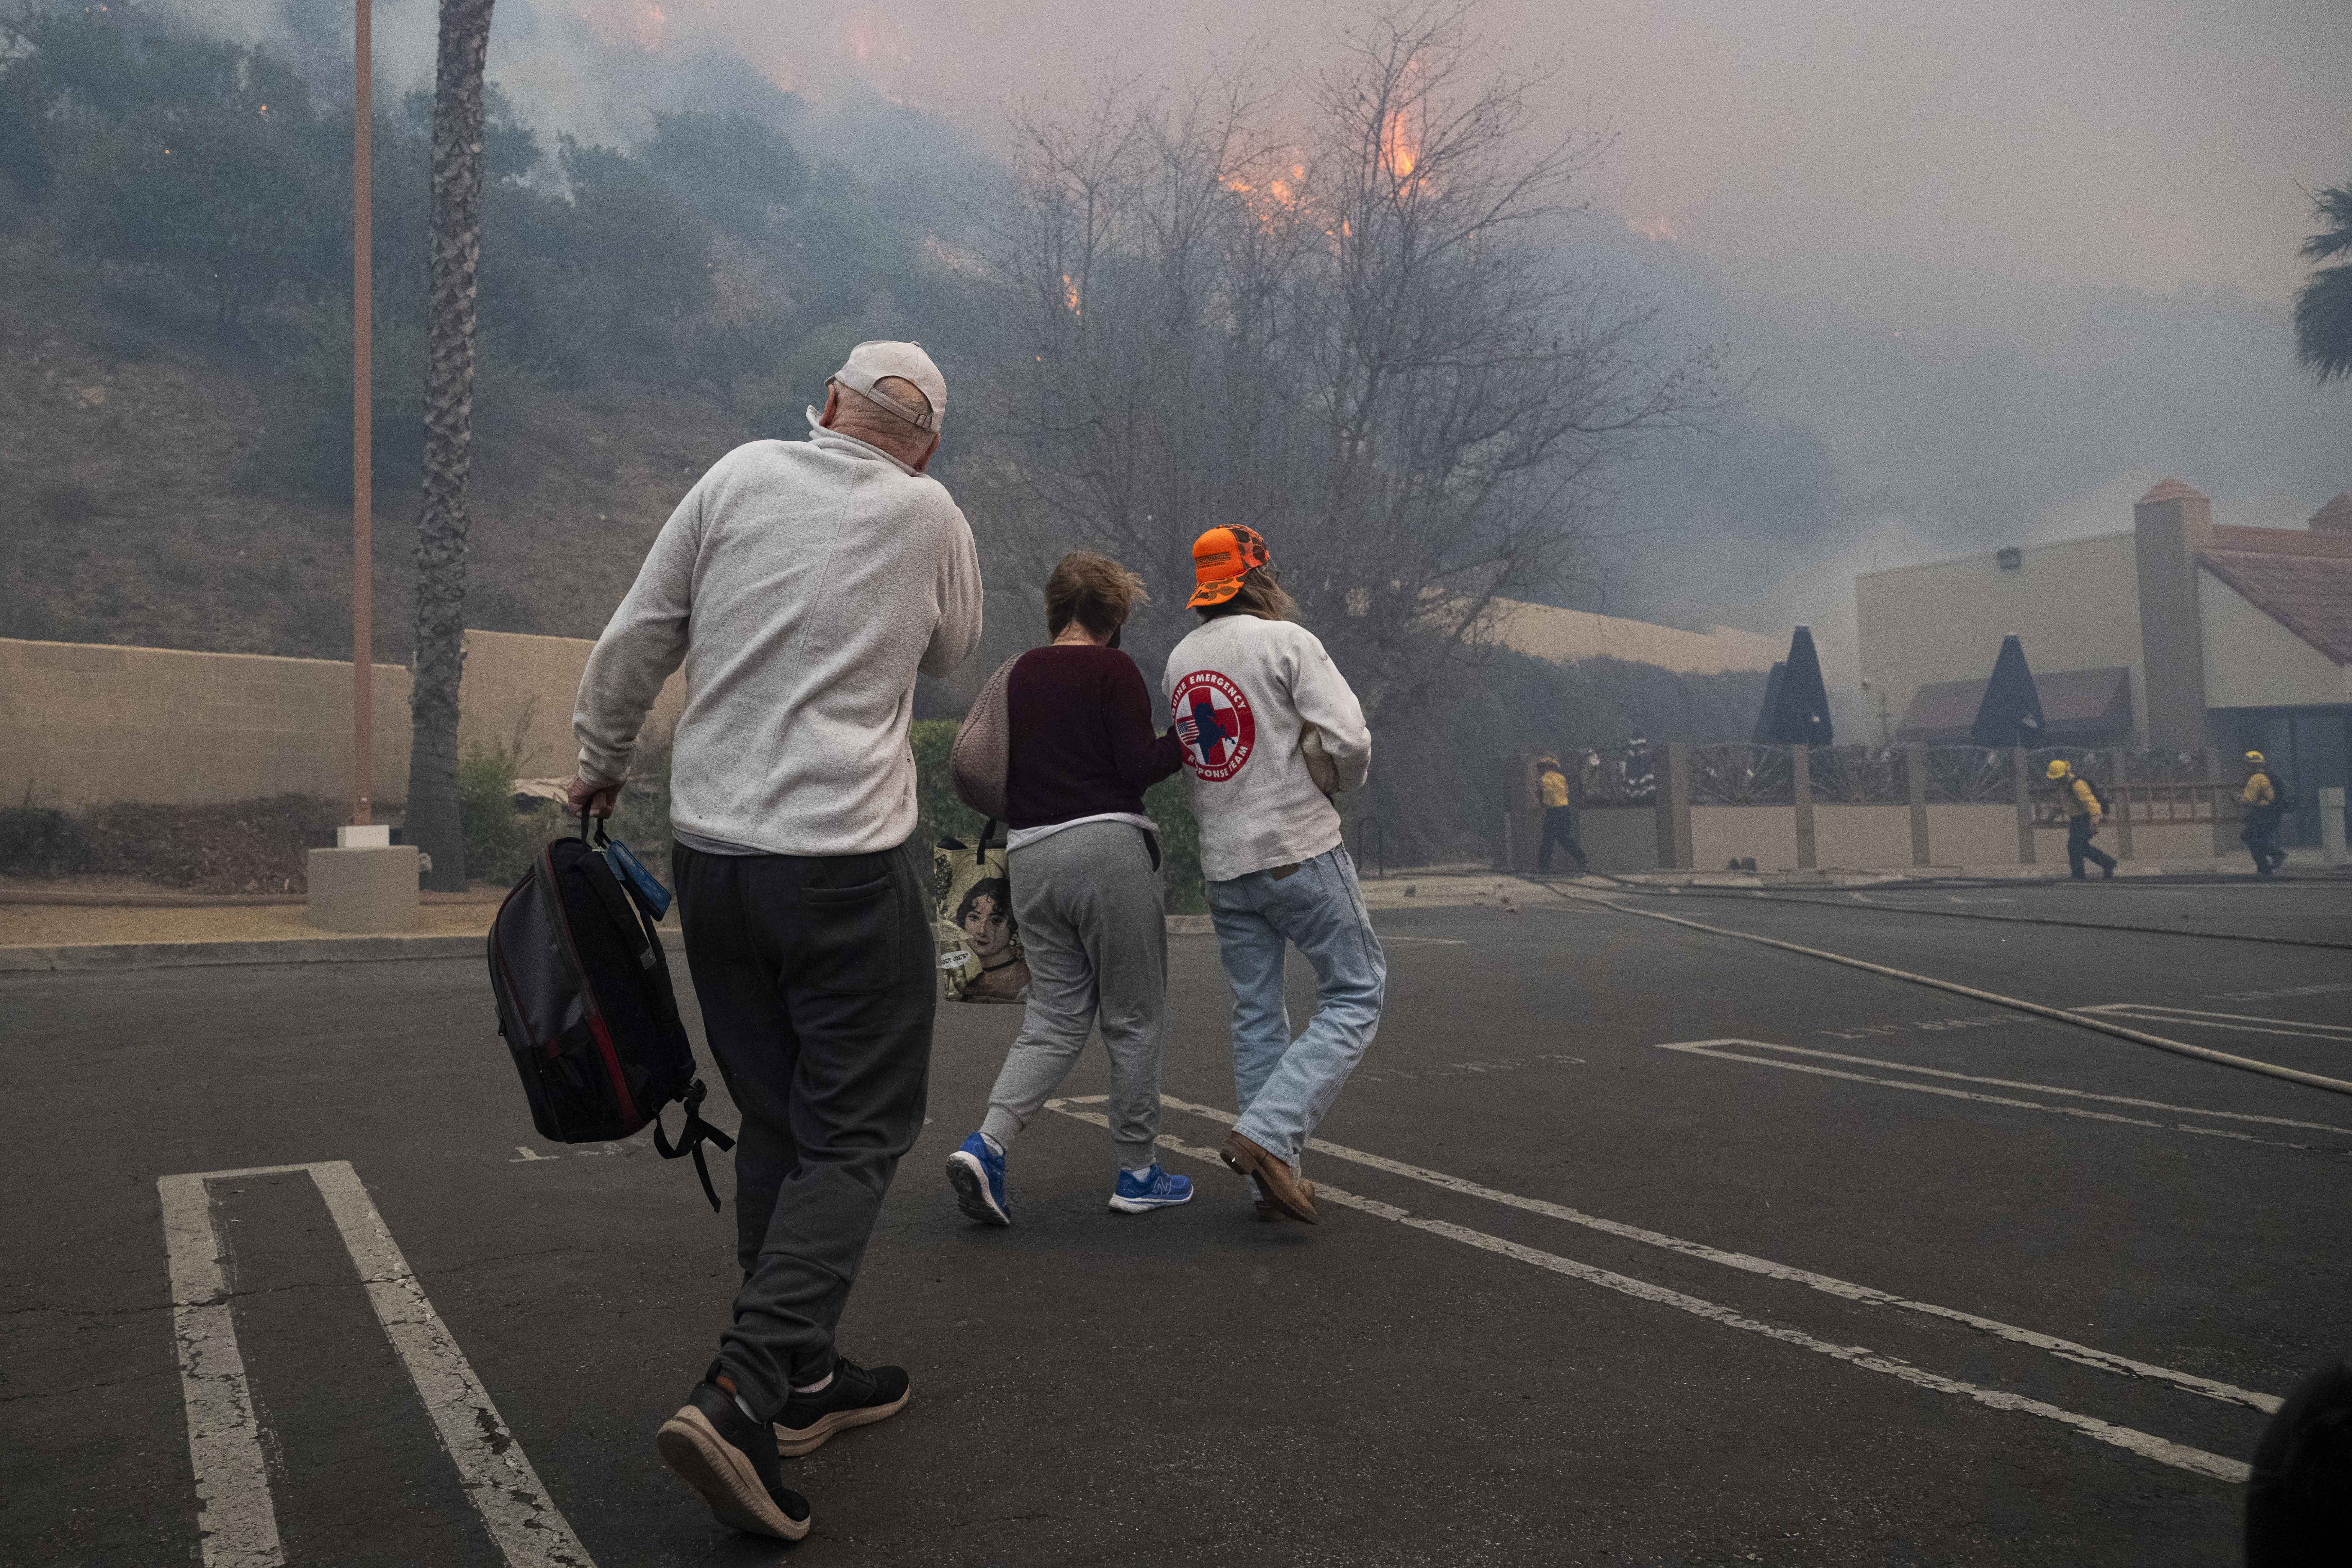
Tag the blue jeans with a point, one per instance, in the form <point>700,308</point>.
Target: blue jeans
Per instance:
<point>1283,1086</point>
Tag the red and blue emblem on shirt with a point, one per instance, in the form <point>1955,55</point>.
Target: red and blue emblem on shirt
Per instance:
<point>1212,719</point>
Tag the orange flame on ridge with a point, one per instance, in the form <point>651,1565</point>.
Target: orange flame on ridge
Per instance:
<point>1400,140</point>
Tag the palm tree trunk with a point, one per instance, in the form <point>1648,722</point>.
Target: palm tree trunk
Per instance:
<point>434,823</point>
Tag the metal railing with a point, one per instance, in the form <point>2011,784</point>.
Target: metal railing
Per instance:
<point>1969,775</point>
<point>1857,775</point>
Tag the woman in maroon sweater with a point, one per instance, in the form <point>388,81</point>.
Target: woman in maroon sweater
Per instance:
<point>1087,892</point>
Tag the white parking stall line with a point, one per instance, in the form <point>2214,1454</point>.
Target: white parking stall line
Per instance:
<point>235,1515</point>
<point>2013,1083</point>
<point>2164,1451</point>
<point>2067,1350</point>
<point>1712,1050</point>
<point>2241,1023</point>
<point>2084,1020</point>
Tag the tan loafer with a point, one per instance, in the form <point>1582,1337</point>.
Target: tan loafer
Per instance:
<point>1276,1182</point>
<point>1266,1209</point>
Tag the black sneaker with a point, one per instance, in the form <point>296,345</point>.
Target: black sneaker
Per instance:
<point>719,1451</point>
<point>857,1397</point>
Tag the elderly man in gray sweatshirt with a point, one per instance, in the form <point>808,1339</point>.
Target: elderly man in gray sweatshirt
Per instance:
<point>803,585</point>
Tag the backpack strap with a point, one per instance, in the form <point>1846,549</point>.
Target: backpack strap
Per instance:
<point>691,1137</point>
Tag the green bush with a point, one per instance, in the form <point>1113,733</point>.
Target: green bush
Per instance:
<point>35,841</point>
<point>1168,802</point>
<point>500,842</point>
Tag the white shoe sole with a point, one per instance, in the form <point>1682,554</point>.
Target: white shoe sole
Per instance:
<point>970,1180</point>
<point>792,1442</point>
<point>724,1477</point>
<point>1145,1206</point>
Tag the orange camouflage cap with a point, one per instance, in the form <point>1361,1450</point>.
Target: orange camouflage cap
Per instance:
<point>1221,558</point>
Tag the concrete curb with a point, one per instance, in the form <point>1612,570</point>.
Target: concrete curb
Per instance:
<point>89,957</point>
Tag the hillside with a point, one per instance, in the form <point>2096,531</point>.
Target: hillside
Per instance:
<point>130,510</point>
<point>176,330</point>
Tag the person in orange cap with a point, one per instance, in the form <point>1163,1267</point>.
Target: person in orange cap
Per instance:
<point>1261,710</point>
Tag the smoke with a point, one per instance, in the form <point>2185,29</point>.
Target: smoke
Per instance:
<point>1953,318</point>
<point>599,70</point>
<point>1991,413</point>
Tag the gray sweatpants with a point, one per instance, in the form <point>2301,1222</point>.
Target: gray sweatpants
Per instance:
<point>1094,929</point>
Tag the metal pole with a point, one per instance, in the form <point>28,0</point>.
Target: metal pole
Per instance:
<point>362,422</point>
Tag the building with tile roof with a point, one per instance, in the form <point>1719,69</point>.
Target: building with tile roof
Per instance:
<point>2180,634</point>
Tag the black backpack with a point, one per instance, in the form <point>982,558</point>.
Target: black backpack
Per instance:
<point>586,1003</point>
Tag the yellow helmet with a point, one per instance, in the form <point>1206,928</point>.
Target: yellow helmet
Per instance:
<point>2058,768</point>
<point>2255,756</point>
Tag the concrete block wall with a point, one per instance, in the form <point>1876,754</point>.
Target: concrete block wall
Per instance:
<point>84,723</point>
<point>520,688</point>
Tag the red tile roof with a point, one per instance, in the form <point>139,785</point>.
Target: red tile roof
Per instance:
<point>2077,705</point>
<point>2308,592</point>
<point>2282,542</point>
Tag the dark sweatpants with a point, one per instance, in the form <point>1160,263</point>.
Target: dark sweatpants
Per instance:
<point>814,977</point>
<point>2080,848</point>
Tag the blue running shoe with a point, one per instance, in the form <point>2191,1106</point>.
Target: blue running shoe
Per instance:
<point>1154,1189</point>
<point>976,1171</point>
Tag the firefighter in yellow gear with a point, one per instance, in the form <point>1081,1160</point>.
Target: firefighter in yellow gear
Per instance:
<point>2266,809</point>
<point>1560,821</point>
<point>2082,817</point>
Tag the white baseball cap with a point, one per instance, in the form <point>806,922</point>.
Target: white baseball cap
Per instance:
<point>881,358</point>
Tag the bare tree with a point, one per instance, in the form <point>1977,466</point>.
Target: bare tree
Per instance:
<point>1351,332</point>
<point>435,823</point>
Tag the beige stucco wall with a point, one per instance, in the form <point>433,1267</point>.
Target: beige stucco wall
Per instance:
<point>1862,836</point>
<point>1719,833</point>
<point>82,724</point>
<point>1973,835</point>
<point>2170,841</point>
<point>1566,635</point>
<point>1618,839</point>
<point>2252,661</point>
<point>2075,606</point>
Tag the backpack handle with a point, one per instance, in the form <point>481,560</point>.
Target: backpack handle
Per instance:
<point>602,838</point>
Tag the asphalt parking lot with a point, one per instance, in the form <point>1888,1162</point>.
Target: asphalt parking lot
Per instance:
<point>1642,1246</point>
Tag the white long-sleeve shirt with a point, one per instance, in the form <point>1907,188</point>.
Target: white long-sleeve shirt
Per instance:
<point>1241,692</point>
<point>803,584</point>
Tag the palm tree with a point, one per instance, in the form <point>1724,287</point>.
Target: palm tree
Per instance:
<point>435,823</point>
<point>2323,307</point>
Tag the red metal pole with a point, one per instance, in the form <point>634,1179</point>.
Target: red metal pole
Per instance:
<point>363,423</point>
